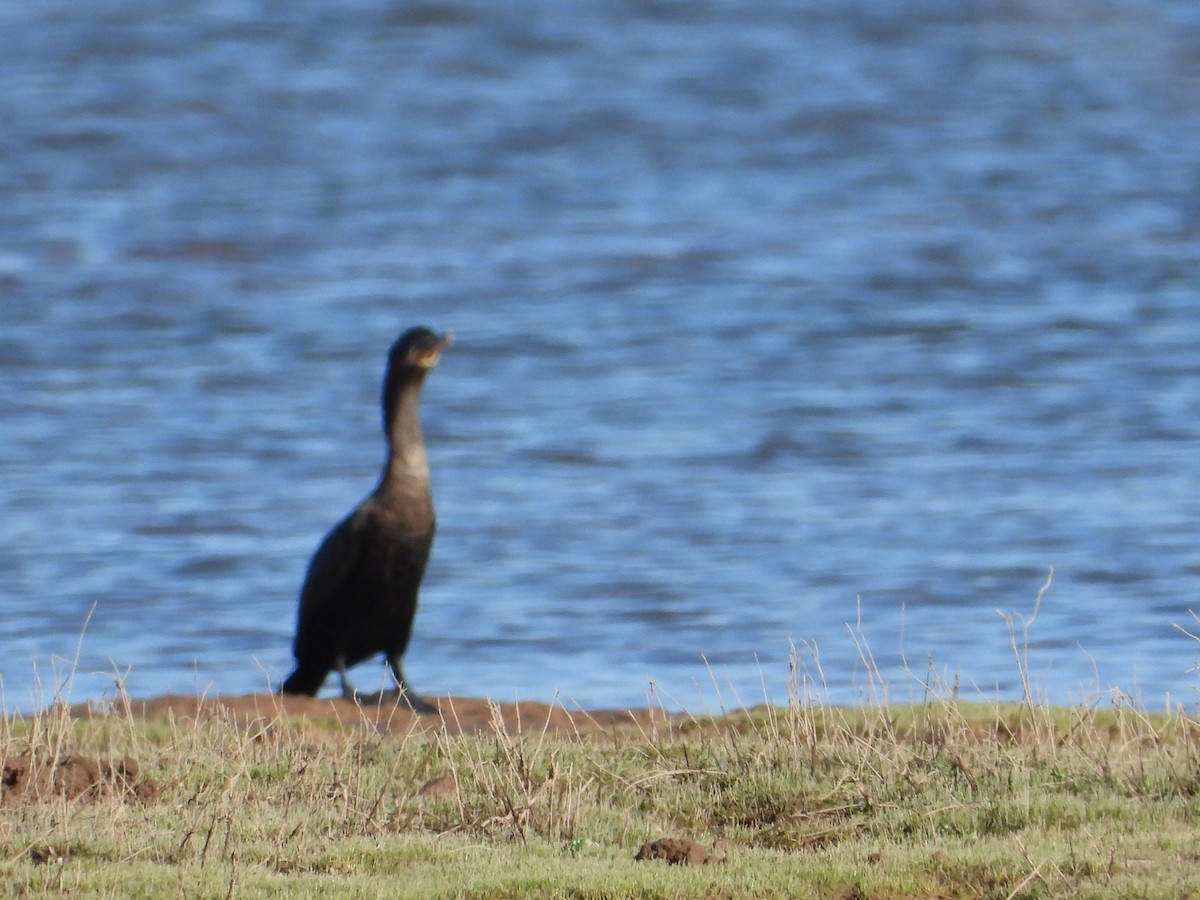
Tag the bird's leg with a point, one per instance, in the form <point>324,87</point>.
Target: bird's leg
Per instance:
<point>411,699</point>
<point>348,692</point>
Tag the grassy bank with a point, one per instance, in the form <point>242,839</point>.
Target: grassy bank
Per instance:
<point>939,798</point>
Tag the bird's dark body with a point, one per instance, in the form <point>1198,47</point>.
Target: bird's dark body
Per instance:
<point>377,558</point>
<point>360,592</point>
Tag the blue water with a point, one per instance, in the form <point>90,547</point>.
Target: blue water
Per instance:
<point>792,329</point>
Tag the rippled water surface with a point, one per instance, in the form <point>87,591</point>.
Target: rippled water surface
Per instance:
<point>826,327</point>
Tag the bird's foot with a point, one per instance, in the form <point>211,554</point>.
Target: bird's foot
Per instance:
<point>418,704</point>
<point>396,696</point>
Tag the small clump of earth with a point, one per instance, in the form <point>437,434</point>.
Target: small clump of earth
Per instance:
<point>676,851</point>
<point>32,779</point>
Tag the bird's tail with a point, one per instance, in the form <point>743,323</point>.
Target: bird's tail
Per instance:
<point>305,680</point>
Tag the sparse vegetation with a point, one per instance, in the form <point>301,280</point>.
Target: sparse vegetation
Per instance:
<point>940,798</point>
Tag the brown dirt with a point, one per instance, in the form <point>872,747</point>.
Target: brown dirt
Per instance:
<point>29,779</point>
<point>456,715</point>
<point>676,851</point>
<point>438,787</point>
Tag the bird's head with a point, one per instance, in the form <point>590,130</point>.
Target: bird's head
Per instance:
<point>419,347</point>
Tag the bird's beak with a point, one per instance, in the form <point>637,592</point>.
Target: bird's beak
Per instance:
<point>427,358</point>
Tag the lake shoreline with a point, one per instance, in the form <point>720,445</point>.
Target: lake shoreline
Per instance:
<point>456,714</point>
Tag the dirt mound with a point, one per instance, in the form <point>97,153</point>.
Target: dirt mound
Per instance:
<point>676,851</point>
<point>455,715</point>
<point>27,779</point>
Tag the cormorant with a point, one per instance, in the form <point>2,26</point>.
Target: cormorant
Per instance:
<point>360,593</point>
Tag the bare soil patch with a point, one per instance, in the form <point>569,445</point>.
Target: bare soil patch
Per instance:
<point>30,779</point>
<point>455,715</point>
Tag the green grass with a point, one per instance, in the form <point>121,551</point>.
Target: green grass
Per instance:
<point>939,798</point>
<point>942,798</point>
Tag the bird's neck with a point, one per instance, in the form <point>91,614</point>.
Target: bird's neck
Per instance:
<point>407,467</point>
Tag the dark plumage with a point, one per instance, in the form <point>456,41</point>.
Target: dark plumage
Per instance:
<point>360,593</point>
